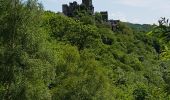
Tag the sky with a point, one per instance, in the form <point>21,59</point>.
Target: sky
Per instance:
<point>134,11</point>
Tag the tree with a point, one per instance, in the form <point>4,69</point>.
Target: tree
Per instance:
<point>26,63</point>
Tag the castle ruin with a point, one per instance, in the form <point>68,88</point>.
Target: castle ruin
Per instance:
<point>87,5</point>
<point>73,8</point>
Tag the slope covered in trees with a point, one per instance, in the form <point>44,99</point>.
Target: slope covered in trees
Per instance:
<point>139,27</point>
<point>48,56</point>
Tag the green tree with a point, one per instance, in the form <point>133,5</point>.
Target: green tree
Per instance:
<point>27,64</point>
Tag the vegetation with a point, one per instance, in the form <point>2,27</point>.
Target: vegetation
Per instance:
<point>48,56</point>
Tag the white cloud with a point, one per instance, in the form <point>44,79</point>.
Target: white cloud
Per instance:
<point>135,3</point>
<point>118,16</point>
<point>150,4</point>
<point>135,20</point>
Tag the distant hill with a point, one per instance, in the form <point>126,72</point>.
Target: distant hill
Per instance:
<point>140,27</point>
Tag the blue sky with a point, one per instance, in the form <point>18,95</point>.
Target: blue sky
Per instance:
<point>135,11</point>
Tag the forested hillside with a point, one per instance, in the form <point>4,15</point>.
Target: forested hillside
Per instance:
<point>48,56</point>
<point>142,28</point>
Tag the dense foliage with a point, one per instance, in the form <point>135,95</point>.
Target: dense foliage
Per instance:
<point>48,56</point>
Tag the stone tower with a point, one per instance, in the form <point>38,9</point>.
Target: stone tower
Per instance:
<point>89,5</point>
<point>104,15</point>
<point>69,10</point>
<point>65,9</point>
